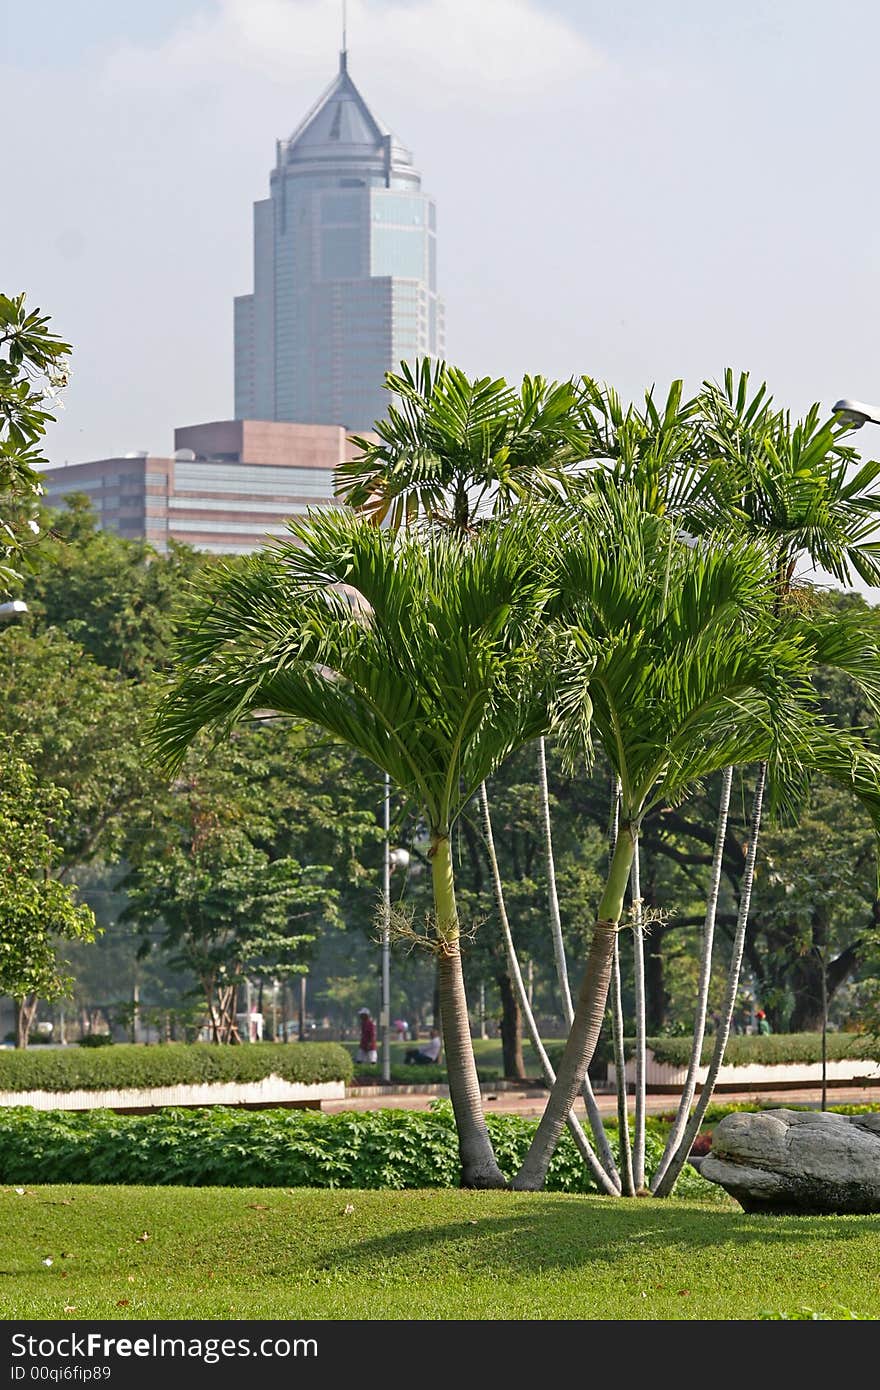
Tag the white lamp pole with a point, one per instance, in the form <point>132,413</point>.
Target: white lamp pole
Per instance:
<point>385,1014</point>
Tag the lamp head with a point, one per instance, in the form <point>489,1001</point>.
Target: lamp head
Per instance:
<point>856,413</point>
<point>13,608</point>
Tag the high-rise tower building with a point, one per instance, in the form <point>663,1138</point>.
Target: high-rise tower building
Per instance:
<point>345,271</point>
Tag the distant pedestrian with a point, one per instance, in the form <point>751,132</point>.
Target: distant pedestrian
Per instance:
<point>367,1052</point>
<point>763,1022</point>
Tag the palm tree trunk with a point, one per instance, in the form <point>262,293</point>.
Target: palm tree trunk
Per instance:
<point>599,1135</point>
<point>639,980</point>
<point>690,1082</point>
<point>588,1018</point>
<point>627,1186</point>
<point>555,916</point>
<point>665,1186</point>
<point>478,1165</point>
<point>605,1181</point>
<point>627,1183</point>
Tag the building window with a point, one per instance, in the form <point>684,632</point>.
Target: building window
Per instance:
<point>398,252</point>
<point>341,207</point>
<point>399,210</point>
<point>253,478</point>
<point>340,253</point>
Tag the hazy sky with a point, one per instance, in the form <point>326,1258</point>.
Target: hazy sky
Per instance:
<point>634,189</point>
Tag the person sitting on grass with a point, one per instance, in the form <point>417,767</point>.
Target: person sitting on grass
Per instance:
<point>427,1055</point>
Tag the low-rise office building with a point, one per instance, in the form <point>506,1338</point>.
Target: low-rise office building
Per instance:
<point>228,486</point>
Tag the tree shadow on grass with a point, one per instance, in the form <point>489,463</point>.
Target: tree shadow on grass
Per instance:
<point>550,1236</point>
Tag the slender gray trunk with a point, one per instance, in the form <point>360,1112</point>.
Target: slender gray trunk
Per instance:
<point>555,916</point>
<point>589,1015</point>
<point>600,1136</point>
<point>627,1185</point>
<point>706,946</point>
<point>638,1159</point>
<point>665,1186</point>
<point>603,1179</point>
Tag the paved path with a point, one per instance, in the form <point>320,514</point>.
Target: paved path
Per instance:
<point>532,1101</point>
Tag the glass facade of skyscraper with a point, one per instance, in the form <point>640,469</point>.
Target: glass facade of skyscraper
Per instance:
<point>345,272</point>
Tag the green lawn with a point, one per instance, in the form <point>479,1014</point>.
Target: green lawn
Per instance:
<point>487,1052</point>
<point>142,1252</point>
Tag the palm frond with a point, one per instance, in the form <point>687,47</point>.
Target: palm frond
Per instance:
<point>428,657</point>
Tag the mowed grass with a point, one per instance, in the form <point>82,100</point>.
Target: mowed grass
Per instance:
<point>141,1252</point>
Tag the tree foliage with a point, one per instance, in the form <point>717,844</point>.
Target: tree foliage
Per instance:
<point>33,368</point>
<point>36,911</point>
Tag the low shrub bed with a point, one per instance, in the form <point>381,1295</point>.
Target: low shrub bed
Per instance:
<point>170,1064</point>
<point>775,1049</point>
<point>416,1074</point>
<point>273,1148</point>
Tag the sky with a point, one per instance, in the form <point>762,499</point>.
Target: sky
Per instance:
<point>635,190</point>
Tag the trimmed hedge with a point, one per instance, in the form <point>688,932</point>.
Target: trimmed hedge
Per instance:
<point>169,1064</point>
<point>222,1147</point>
<point>774,1049</point>
<point>416,1074</point>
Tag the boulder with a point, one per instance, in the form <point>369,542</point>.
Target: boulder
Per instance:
<point>800,1162</point>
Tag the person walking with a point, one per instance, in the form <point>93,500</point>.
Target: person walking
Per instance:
<point>367,1052</point>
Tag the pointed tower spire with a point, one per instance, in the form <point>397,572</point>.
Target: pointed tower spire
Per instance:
<point>343,56</point>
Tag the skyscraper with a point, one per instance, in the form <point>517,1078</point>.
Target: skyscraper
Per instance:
<point>345,271</point>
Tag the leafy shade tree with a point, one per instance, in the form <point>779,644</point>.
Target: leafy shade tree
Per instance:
<point>113,596</point>
<point>36,911</point>
<point>682,666</point>
<point>428,658</point>
<point>225,911</point>
<point>33,367</point>
<point>85,730</point>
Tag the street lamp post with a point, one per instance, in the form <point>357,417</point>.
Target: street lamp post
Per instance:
<point>385,1012</point>
<point>391,859</point>
<point>856,413</point>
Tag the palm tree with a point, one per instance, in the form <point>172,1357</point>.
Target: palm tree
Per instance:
<point>681,666</point>
<point>794,483</point>
<point>450,453</point>
<point>602,1168</point>
<point>800,489</point>
<point>453,450</point>
<point>429,658</point>
<point>653,452</point>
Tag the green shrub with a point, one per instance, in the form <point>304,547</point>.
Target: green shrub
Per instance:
<point>96,1040</point>
<point>273,1148</point>
<point>598,1068</point>
<point>170,1064</point>
<point>767,1050</point>
<point>416,1074</point>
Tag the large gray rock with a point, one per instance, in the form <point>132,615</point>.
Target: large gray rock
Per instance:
<point>797,1161</point>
